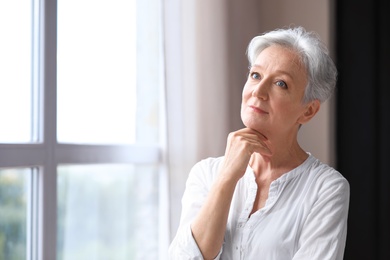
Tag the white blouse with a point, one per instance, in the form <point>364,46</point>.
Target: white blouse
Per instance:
<point>305,216</point>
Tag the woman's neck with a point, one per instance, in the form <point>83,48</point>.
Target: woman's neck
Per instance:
<point>284,158</point>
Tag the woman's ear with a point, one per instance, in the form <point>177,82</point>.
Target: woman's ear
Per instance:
<point>311,110</point>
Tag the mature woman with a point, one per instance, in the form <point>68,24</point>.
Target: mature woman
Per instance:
<point>267,198</point>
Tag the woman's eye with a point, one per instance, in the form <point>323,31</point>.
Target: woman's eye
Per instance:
<point>281,84</point>
<point>255,75</point>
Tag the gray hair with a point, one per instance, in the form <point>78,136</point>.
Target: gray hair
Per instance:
<point>321,71</point>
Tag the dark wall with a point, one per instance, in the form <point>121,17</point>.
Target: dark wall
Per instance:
<point>363,122</point>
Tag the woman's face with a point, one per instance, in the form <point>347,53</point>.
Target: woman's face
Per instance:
<point>273,94</point>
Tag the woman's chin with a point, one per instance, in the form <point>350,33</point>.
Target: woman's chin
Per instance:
<point>254,125</point>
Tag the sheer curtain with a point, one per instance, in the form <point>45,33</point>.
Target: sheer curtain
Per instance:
<point>196,89</point>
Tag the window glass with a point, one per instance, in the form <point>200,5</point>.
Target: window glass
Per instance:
<point>150,83</point>
<point>96,71</point>
<point>15,71</point>
<point>107,212</point>
<point>14,184</point>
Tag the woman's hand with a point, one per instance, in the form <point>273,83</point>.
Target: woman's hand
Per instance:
<point>240,146</point>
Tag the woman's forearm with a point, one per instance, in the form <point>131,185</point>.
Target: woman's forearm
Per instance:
<point>209,226</point>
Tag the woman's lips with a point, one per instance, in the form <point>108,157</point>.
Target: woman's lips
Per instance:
<point>258,110</point>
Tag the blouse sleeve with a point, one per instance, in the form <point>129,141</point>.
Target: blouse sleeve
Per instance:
<point>198,184</point>
<point>324,233</point>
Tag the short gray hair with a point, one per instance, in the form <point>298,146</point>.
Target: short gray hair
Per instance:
<point>321,71</point>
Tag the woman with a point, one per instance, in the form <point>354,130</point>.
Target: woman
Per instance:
<point>267,198</point>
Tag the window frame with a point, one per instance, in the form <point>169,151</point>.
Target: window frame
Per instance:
<point>44,154</point>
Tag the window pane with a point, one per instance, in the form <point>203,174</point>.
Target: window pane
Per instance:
<point>15,71</point>
<point>96,71</point>
<point>149,72</point>
<point>107,212</point>
<point>13,212</point>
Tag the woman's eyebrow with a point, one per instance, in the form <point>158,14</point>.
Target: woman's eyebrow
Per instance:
<point>277,71</point>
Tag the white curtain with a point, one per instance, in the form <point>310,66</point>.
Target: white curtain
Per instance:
<point>196,89</point>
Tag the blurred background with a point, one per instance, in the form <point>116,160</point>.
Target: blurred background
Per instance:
<point>106,106</point>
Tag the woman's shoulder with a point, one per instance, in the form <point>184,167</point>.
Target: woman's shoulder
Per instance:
<point>324,174</point>
<point>206,169</point>
<point>209,165</point>
<point>211,161</point>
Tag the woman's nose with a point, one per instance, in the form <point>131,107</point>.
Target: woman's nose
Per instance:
<point>261,90</point>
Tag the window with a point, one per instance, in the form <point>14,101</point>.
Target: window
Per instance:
<point>16,73</point>
<point>96,61</point>
<point>82,168</point>
<point>14,188</point>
